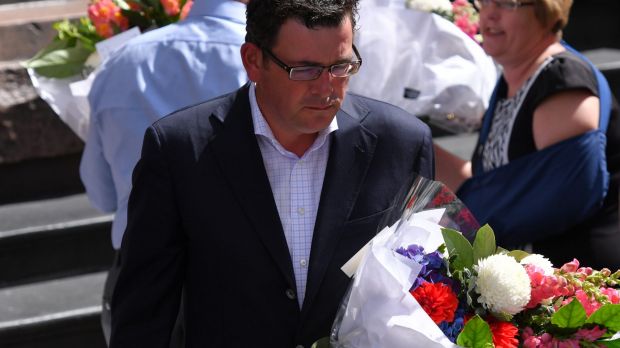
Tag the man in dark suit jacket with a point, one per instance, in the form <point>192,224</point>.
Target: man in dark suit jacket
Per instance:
<point>213,212</point>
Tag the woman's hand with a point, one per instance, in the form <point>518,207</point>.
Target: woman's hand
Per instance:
<point>450,169</point>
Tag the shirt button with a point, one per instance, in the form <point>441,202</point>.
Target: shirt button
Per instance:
<point>301,211</point>
<point>303,263</point>
<point>290,294</point>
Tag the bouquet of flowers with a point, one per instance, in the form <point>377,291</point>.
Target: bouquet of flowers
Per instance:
<point>460,12</point>
<point>433,69</point>
<point>74,44</point>
<point>420,284</point>
<point>62,72</point>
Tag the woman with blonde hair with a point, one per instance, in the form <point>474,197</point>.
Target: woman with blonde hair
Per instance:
<point>546,168</point>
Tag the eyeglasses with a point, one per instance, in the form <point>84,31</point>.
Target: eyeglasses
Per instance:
<point>510,5</point>
<point>312,72</point>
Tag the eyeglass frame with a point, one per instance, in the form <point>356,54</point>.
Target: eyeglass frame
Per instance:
<point>290,69</point>
<point>510,5</point>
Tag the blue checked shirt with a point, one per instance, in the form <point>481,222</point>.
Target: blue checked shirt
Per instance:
<point>296,185</point>
<point>153,75</point>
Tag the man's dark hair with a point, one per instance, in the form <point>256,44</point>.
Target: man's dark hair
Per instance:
<point>265,17</point>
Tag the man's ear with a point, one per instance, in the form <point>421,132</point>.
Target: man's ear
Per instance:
<point>252,57</point>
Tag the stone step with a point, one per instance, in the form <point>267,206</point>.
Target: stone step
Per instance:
<point>26,27</point>
<point>39,154</point>
<point>58,313</point>
<point>40,178</point>
<point>52,238</point>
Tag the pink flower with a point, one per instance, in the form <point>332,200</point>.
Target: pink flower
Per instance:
<point>171,7</point>
<point>591,335</point>
<point>531,341</point>
<point>590,304</point>
<point>543,287</point>
<point>459,7</point>
<point>186,8</point>
<point>612,294</point>
<point>570,267</point>
<point>465,18</point>
<point>570,343</point>
<point>466,26</point>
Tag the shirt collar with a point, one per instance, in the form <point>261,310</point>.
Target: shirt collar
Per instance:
<point>261,127</point>
<point>229,9</point>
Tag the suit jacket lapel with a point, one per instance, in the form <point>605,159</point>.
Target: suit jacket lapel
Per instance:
<point>350,155</point>
<point>236,150</point>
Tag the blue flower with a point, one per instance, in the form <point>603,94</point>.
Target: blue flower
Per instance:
<point>452,330</point>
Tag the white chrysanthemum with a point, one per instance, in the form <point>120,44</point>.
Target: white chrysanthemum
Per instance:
<point>503,284</point>
<point>539,261</point>
<point>429,5</point>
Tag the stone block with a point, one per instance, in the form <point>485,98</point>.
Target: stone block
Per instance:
<point>29,128</point>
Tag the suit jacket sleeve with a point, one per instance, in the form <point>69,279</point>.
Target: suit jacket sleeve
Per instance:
<point>146,298</point>
<point>425,166</point>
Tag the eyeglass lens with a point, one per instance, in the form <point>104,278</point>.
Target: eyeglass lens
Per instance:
<point>505,4</point>
<point>313,72</point>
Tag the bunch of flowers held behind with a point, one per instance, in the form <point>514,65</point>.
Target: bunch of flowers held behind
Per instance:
<point>75,41</point>
<point>72,50</point>
<point>459,12</point>
<point>482,295</point>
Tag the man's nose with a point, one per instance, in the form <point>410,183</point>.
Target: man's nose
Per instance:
<point>323,85</point>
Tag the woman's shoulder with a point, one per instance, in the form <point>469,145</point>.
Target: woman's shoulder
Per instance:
<point>568,71</point>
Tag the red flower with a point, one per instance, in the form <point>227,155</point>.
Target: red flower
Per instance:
<point>437,300</point>
<point>443,197</point>
<point>504,334</point>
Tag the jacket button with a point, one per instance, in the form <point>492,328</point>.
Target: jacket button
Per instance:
<point>290,294</point>
<point>299,346</point>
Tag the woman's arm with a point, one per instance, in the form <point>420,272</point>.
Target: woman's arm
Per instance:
<point>450,169</point>
<point>563,116</point>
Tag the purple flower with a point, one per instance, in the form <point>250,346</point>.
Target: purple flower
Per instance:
<point>433,267</point>
<point>414,252</point>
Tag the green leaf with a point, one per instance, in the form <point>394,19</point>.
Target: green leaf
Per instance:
<point>610,343</point>
<point>608,315</point>
<point>484,244</point>
<point>61,63</point>
<point>321,343</point>
<point>459,247</point>
<point>518,254</point>
<point>53,46</point>
<point>571,316</point>
<point>475,334</point>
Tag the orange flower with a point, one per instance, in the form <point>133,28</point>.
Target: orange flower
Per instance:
<point>171,7</point>
<point>107,18</point>
<point>437,300</point>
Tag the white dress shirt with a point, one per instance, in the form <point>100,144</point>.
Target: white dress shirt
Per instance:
<point>296,184</point>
